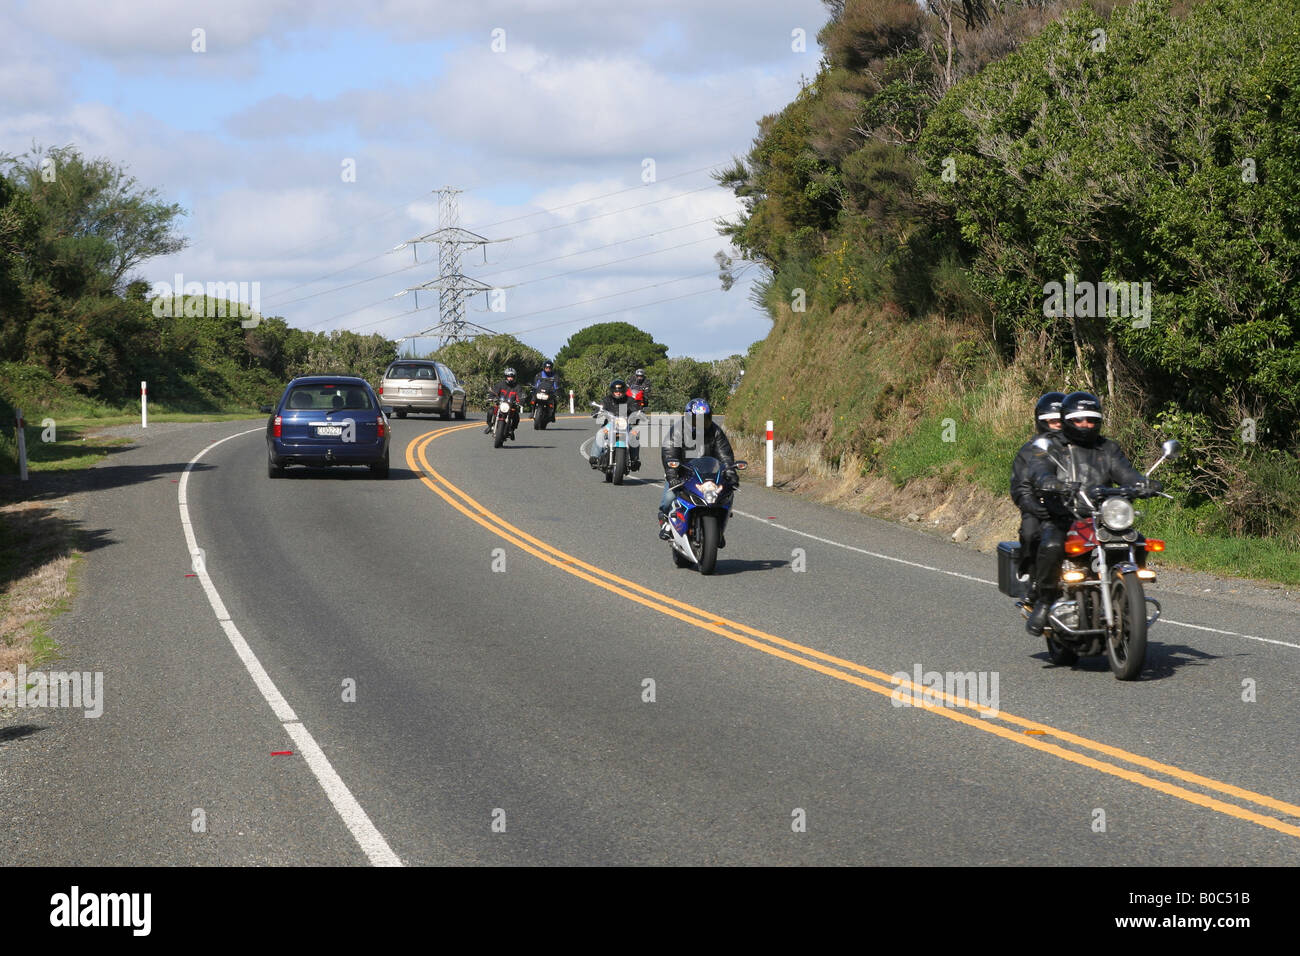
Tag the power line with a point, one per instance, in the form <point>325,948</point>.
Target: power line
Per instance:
<point>540,212</point>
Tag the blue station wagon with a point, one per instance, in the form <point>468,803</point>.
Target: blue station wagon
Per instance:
<point>324,420</point>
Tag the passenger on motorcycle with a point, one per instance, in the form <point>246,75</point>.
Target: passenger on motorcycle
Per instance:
<point>616,404</point>
<point>1034,510</point>
<point>509,391</point>
<point>694,435</point>
<point>1087,458</point>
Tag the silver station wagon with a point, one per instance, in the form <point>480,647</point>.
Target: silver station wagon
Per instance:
<point>422,386</point>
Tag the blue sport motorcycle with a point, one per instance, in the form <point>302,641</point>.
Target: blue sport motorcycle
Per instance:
<point>698,516</point>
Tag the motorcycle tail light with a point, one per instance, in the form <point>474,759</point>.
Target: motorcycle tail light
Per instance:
<point>1075,546</point>
<point>1155,544</point>
<point>1073,576</point>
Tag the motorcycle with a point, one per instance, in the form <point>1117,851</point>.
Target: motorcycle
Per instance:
<point>542,401</point>
<point>1103,604</point>
<point>505,417</point>
<point>616,460</point>
<point>698,516</point>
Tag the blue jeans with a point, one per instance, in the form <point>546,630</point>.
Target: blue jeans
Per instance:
<point>666,502</point>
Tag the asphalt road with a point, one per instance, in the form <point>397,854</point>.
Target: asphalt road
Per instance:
<point>503,716</point>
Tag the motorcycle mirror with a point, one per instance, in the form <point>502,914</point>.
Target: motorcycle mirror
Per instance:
<point>1171,449</point>
<point>1042,444</point>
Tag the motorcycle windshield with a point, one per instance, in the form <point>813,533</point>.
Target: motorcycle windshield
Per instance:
<point>706,469</point>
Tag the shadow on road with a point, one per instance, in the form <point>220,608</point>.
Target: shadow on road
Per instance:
<point>18,732</point>
<point>1162,661</point>
<point>740,565</point>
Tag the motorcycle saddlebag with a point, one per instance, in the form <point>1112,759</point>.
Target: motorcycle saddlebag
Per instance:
<point>1009,582</point>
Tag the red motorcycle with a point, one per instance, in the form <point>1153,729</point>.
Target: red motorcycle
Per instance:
<point>1103,606</point>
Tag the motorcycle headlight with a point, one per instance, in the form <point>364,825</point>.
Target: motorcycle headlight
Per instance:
<point>709,492</point>
<point>1117,514</point>
<point>541,394</point>
<point>504,406</point>
<point>620,424</point>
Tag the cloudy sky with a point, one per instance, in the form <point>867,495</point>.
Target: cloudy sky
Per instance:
<point>306,140</point>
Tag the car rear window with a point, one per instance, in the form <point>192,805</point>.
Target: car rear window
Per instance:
<point>412,371</point>
<point>324,398</point>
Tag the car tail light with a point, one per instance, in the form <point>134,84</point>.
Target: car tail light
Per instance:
<point>381,389</point>
<point>1155,544</point>
<point>441,392</point>
<point>379,423</point>
<point>275,427</point>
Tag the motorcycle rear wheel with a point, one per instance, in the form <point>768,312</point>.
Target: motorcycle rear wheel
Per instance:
<point>1061,655</point>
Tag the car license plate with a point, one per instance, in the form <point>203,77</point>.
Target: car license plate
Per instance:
<point>326,431</point>
<point>409,391</point>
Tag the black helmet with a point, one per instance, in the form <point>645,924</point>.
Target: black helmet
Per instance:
<point>617,383</point>
<point>1047,408</point>
<point>1080,407</point>
<point>547,366</point>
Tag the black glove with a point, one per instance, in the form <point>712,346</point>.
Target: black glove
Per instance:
<point>673,475</point>
<point>1050,484</point>
<point>1151,486</point>
<point>731,476</point>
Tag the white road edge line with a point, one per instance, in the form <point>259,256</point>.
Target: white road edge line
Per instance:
<point>967,577</point>
<point>354,817</point>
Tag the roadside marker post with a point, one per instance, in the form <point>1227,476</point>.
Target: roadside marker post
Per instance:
<point>769,454</point>
<point>22,444</point>
<point>570,401</point>
<point>144,404</point>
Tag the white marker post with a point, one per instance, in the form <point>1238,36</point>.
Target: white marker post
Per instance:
<point>570,401</point>
<point>144,404</point>
<point>22,445</point>
<point>769,454</point>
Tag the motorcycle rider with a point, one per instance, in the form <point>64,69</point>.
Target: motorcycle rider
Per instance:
<point>696,433</point>
<point>1088,458</point>
<point>548,380</point>
<point>509,391</point>
<point>642,385</point>
<point>1033,509</point>
<point>616,404</point>
<point>547,376</point>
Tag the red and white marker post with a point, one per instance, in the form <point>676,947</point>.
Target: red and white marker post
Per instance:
<point>144,404</point>
<point>22,445</point>
<point>769,454</point>
<point>570,401</point>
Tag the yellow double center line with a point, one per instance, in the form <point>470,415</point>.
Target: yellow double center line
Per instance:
<point>1029,734</point>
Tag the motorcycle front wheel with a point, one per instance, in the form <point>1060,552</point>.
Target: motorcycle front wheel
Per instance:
<point>499,438</point>
<point>704,542</point>
<point>1126,645</point>
<point>620,465</point>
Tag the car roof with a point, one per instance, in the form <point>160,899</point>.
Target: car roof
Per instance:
<point>413,362</point>
<point>318,379</point>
